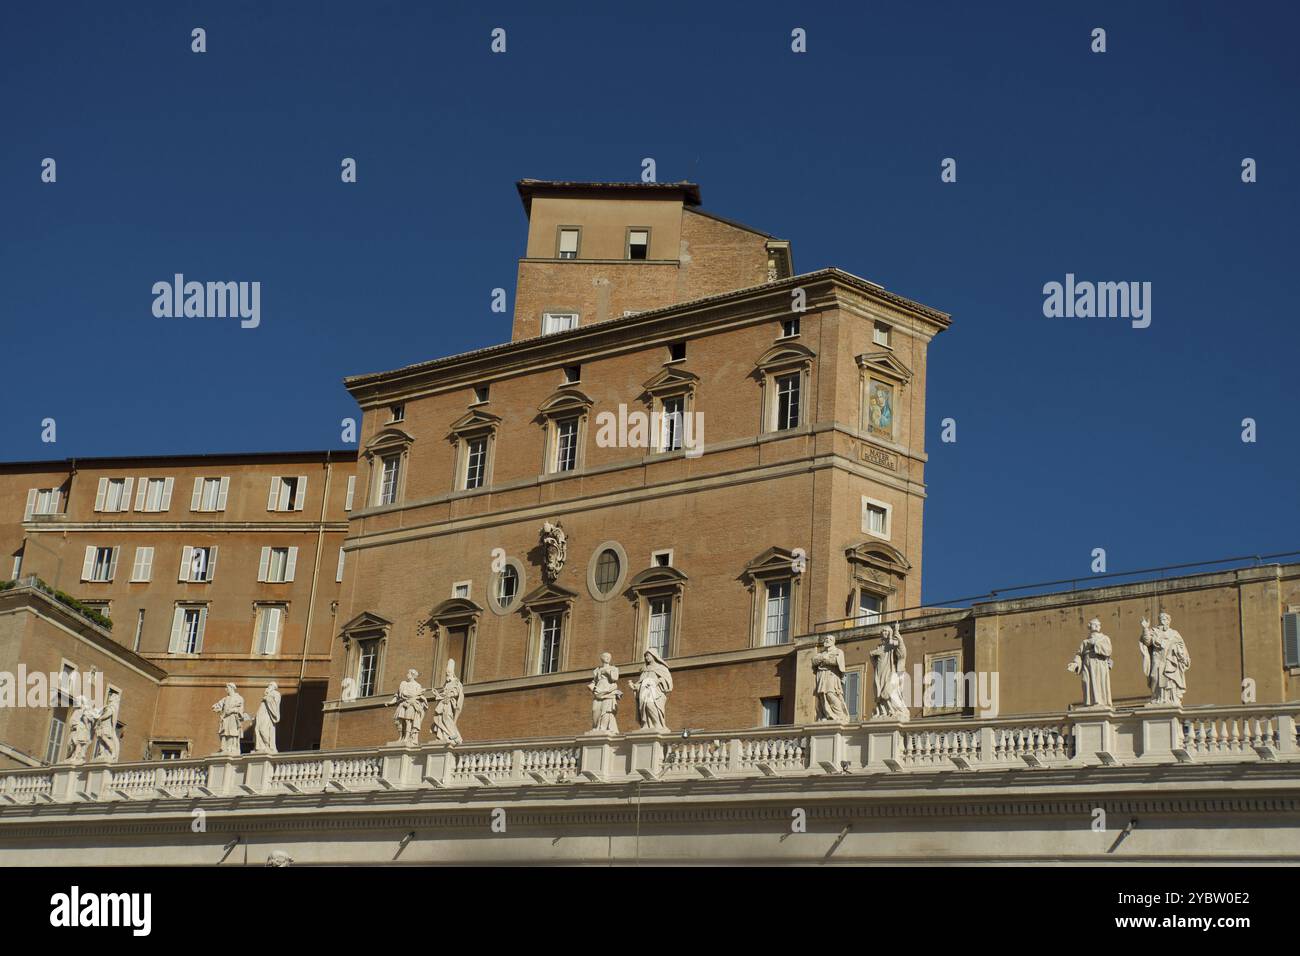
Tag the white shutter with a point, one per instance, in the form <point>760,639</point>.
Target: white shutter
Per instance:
<point>300,498</point>
<point>178,620</point>
<point>100,492</point>
<point>127,485</point>
<point>203,626</point>
<point>352,489</point>
<point>264,564</point>
<point>142,488</point>
<point>222,490</point>
<point>58,501</point>
<point>289,565</point>
<point>196,499</point>
<point>187,555</point>
<point>274,495</point>
<point>88,565</point>
<point>136,568</point>
<point>212,563</point>
<point>31,504</point>
<point>273,635</point>
<point>112,565</point>
<point>342,557</point>
<point>143,570</point>
<point>168,484</point>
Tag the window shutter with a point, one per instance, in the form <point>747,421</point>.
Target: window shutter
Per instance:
<point>264,564</point>
<point>274,494</point>
<point>168,484</point>
<point>196,499</point>
<point>141,488</point>
<point>290,564</point>
<point>223,490</point>
<point>187,555</point>
<point>112,565</point>
<point>342,557</point>
<point>88,565</point>
<point>273,638</point>
<point>1291,639</point>
<point>148,564</point>
<point>128,484</point>
<point>100,492</point>
<point>263,620</point>
<point>212,562</point>
<point>300,498</point>
<point>203,626</point>
<point>352,489</point>
<point>58,501</point>
<point>178,619</point>
<point>31,504</point>
<point>137,564</point>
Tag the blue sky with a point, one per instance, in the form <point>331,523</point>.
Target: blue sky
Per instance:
<point>1073,434</point>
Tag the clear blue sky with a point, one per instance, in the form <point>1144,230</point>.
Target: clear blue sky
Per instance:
<point>1072,434</point>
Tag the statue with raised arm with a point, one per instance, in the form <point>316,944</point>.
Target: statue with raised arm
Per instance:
<point>828,682</point>
<point>555,548</point>
<point>1092,663</point>
<point>230,721</point>
<point>605,696</point>
<point>411,707</point>
<point>1165,662</point>
<point>80,718</point>
<point>268,715</point>
<point>448,702</point>
<point>652,692</point>
<point>890,661</point>
<point>104,723</point>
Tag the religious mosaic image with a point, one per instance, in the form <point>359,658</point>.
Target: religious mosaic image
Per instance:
<point>880,409</point>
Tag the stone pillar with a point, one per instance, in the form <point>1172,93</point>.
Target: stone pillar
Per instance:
<point>647,752</point>
<point>1093,735</point>
<point>257,775</point>
<point>67,781</point>
<point>597,756</point>
<point>396,769</point>
<point>884,743</point>
<point>222,776</point>
<point>1162,732</point>
<point>438,765</point>
<point>826,747</point>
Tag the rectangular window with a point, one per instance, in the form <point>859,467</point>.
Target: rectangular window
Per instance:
<point>776,621</point>
<point>288,493</point>
<point>677,352</point>
<point>549,661</point>
<point>880,334</point>
<point>100,564</point>
<point>875,518</point>
<point>475,462</point>
<point>368,667</point>
<point>670,423</point>
<point>787,401</point>
<point>566,444</point>
<point>789,327</point>
<point>210,494</point>
<point>661,619</point>
<point>187,629</point>
<point>392,468</point>
<point>277,565</point>
<point>771,711</point>
<point>853,692</point>
<point>114,494</point>
<point>397,412</point>
<point>869,608</point>
<point>558,322</point>
<point>153,494</point>
<point>481,393</point>
<point>142,566</point>
<point>638,243</point>
<point>568,246</point>
<point>270,620</point>
<point>942,684</point>
<point>461,589</point>
<point>198,565</point>
<point>42,501</point>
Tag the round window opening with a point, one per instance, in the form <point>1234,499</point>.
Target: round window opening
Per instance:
<point>507,586</point>
<point>607,571</point>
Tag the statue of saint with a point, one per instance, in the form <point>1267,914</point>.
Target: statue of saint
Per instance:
<point>106,744</point>
<point>890,660</point>
<point>604,696</point>
<point>556,548</point>
<point>79,724</point>
<point>411,707</point>
<point>828,687</point>
<point>268,715</point>
<point>1165,661</point>
<point>1092,664</point>
<point>652,692</point>
<point>230,721</point>
<point>449,701</point>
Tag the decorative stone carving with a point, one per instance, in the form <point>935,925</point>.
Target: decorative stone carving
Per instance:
<point>348,689</point>
<point>890,660</point>
<point>279,858</point>
<point>828,688</point>
<point>411,708</point>
<point>448,701</point>
<point>605,696</point>
<point>652,692</point>
<point>268,715</point>
<point>556,548</point>
<point>104,721</point>
<point>230,721</point>
<point>80,722</point>
<point>1093,663</point>
<point>1165,662</point>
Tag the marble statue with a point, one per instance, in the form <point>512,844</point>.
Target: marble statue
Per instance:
<point>411,708</point>
<point>80,718</point>
<point>828,687</point>
<point>230,721</point>
<point>348,689</point>
<point>449,701</point>
<point>604,696</point>
<point>279,858</point>
<point>268,715</point>
<point>1165,661</point>
<point>890,660</point>
<point>652,692</point>
<point>1092,663</point>
<point>556,549</point>
<point>104,721</point>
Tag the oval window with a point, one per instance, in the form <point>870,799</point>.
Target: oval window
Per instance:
<point>607,571</point>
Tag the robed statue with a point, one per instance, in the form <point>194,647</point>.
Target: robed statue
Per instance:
<point>1165,661</point>
<point>1093,663</point>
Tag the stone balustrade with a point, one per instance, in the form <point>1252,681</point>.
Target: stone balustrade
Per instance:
<point>1081,738</point>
